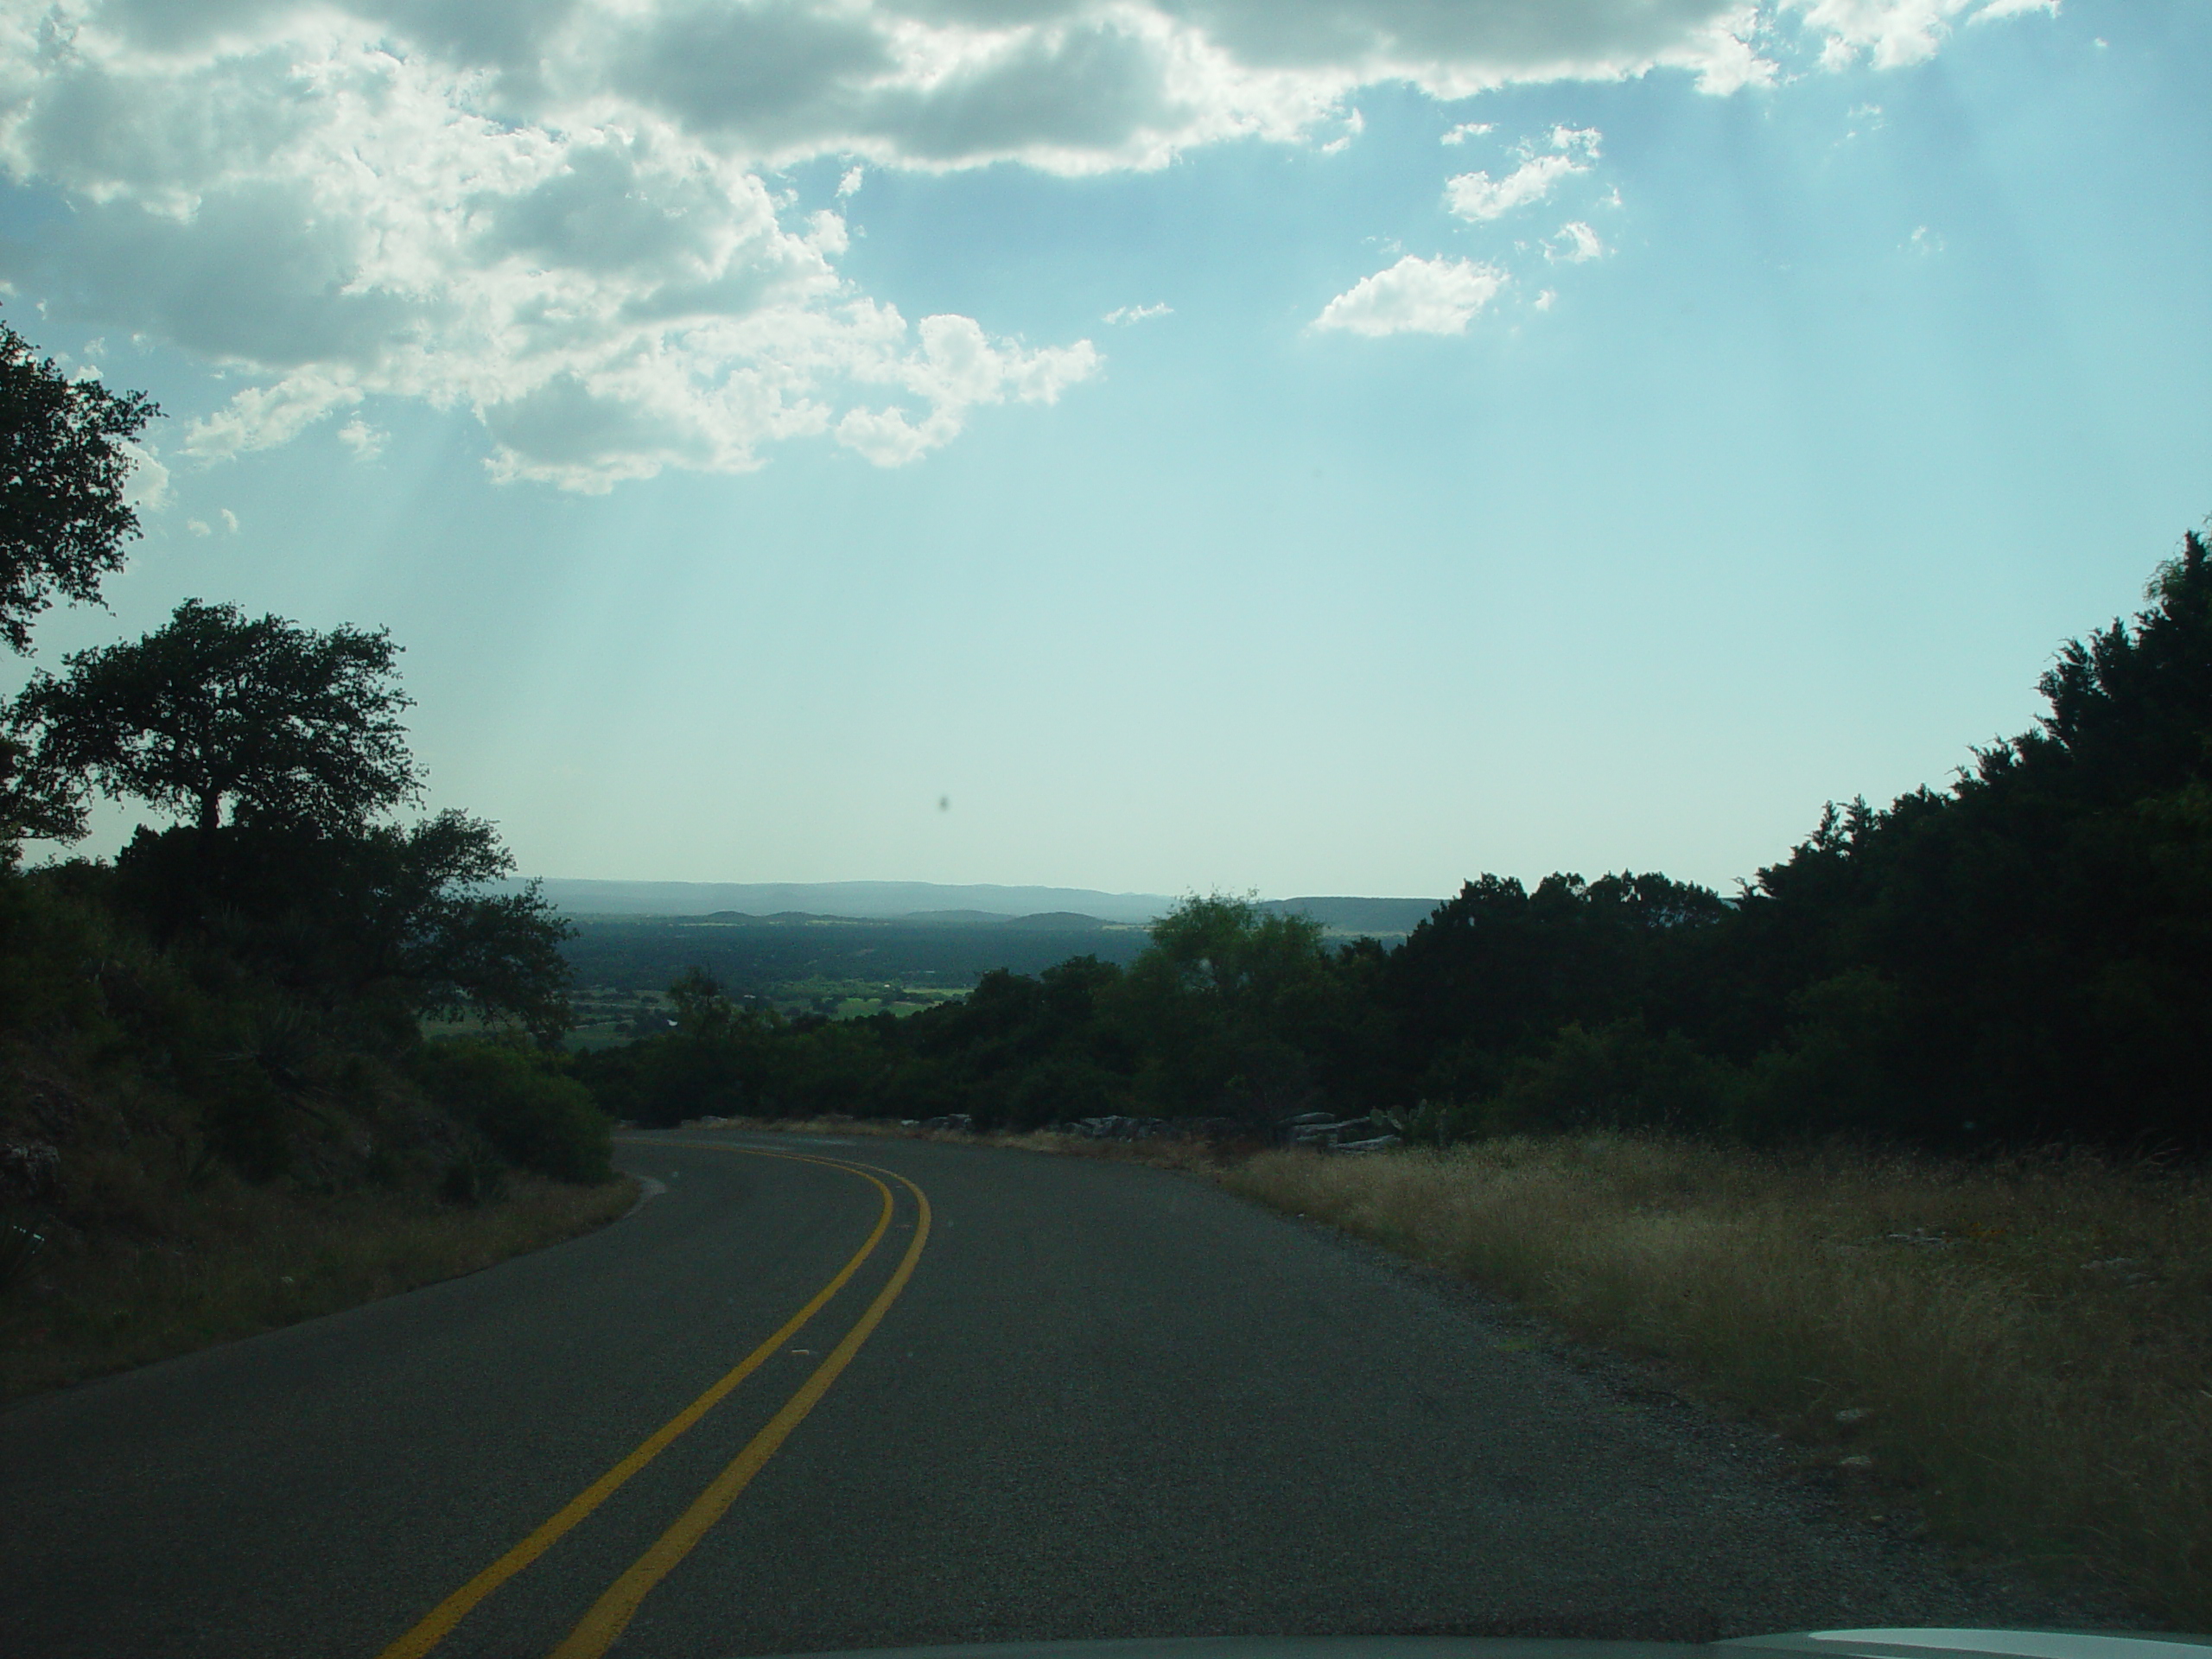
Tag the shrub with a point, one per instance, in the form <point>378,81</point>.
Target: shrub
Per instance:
<point>521,1103</point>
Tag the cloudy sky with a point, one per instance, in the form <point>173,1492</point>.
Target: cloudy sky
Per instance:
<point>1315,446</point>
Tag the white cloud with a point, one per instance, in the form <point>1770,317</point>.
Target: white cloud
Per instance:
<point>366,442</point>
<point>1923,241</point>
<point>1415,296</point>
<point>324,219</point>
<point>197,527</point>
<point>261,417</point>
<point>555,215</point>
<point>958,368</point>
<point>1545,301</point>
<point>148,489</point>
<point>1894,33</point>
<point>1124,313</point>
<point>1576,244</point>
<point>1477,196</point>
<point>230,520</point>
<point>1467,129</point>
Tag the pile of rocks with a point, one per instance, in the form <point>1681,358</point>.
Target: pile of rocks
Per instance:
<point>1117,1128</point>
<point>28,1169</point>
<point>1321,1131</point>
<point>1325,1133</point>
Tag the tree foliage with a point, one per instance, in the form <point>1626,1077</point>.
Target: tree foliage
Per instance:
<point>288,726</point>
<point>282,749</point>
<point>65,461</point>
<point>36,802</point>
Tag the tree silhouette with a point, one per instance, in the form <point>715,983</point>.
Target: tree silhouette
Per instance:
<point>289,728</point>
<point>64,462</point>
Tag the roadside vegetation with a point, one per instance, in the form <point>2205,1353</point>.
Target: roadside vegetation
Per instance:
<point>216,1109</point>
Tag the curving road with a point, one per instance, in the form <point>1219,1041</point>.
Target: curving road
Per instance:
<point>1051,1398</point>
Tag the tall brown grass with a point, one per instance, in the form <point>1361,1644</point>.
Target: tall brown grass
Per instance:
<point>2026,1345</point>
<point>234,1259</point>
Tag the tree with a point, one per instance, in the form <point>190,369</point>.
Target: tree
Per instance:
<point>389,922</point>
<point>288,726</point>
<point>1234,1005</point>
<point>64,460</point>
<point>34,802</point>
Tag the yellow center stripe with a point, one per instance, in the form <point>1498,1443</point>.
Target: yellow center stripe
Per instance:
<point>599,1627</point>
<point>439,1623</point>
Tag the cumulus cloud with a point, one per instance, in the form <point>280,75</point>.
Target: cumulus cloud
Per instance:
<point>1477,196</point>
<point>567,218</point>
<point>366,442</point>
<point>1894,33</point>
<point>1576,244</point>
<point>1415,296</point>
<point>148,490</point>
<point>325,217</point>
<point>1122,313</point>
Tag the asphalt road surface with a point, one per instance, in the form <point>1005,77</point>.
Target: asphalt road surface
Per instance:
<point>1057,1398</point>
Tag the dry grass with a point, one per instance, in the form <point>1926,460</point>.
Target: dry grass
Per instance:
<point>2030,1343</point>
<point>249,1259</point>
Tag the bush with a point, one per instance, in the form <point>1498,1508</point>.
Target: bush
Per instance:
<point>521,1103</point>
<point>1616,1076</point>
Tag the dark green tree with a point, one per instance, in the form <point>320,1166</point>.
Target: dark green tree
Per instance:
<point>34,802</point>
<point>64,462</point>
<point>286,727</point>
<point>1233,1006</point>
<point>386,923</point>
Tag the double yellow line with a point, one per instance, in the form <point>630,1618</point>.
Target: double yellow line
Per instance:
<point>597,1631</point>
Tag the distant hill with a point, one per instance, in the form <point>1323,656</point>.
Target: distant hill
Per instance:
<point>882,900</point>
<point>1382,919</point>
<point>925,904</point>
<point>754,935</point>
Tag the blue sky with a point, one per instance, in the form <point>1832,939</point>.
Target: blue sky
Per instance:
<point>1735,415</point>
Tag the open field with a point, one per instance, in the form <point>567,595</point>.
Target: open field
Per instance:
<point>235,1259</point>
<point>2014,1356</point>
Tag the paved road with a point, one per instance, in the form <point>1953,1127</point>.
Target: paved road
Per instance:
<point>1109,1401</point>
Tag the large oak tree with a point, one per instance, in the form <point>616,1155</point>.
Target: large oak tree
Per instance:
<point>283,726</point>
